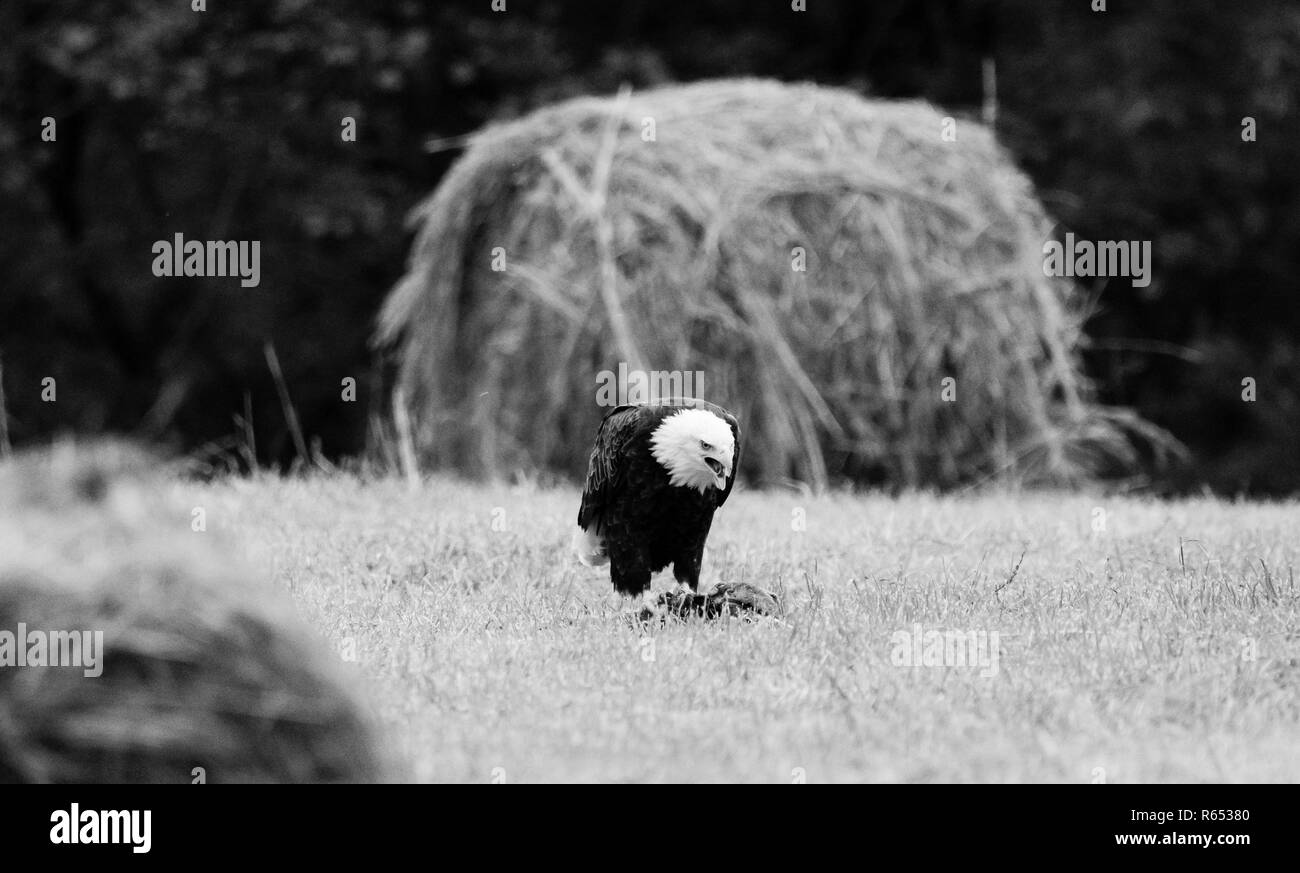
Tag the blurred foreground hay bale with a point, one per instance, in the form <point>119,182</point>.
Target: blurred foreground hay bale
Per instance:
<point>202,665</point>
<point>923,261</point>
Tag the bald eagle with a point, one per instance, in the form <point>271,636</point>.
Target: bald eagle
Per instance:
<point>657,473</point>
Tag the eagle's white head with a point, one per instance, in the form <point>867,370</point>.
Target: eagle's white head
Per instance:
<point>696,447</point>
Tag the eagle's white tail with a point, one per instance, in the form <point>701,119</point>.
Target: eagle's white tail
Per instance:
<point>590,547</point>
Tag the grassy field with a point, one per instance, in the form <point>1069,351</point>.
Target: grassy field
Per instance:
<point>1137,641</point>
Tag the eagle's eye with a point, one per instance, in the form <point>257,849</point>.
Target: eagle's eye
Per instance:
<point>706,446</point>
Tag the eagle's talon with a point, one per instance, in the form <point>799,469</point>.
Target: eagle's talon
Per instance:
<point>649,609</point>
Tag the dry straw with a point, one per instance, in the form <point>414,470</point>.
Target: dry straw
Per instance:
<point>923,261</point>
<point>202,665</point>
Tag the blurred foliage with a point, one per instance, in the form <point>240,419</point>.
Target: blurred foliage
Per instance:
<point>225,125</point>
<point>1131,124</point>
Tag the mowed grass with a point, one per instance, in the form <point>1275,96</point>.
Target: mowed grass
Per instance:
<point>1164,647</point>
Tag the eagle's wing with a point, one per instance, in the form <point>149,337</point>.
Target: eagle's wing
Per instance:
<point>609,458</point>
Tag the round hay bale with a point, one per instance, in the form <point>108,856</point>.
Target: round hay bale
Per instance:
<point>200,665</point>
<point>664,229</point>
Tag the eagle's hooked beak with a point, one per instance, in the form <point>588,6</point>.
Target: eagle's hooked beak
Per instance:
<point>720,471</point>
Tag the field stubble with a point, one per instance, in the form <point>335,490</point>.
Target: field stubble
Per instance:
<point>1135,641</point>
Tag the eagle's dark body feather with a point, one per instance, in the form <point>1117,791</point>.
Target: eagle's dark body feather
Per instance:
<point>646,522</point>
